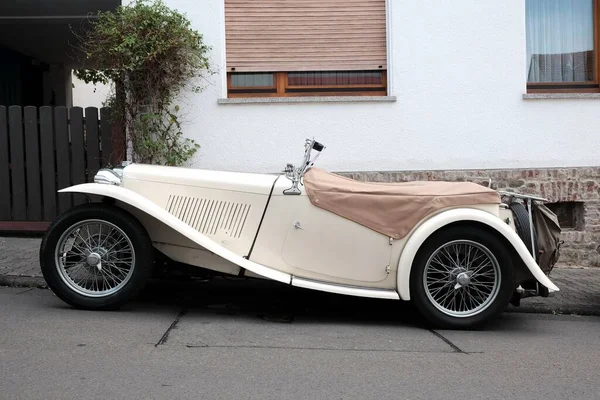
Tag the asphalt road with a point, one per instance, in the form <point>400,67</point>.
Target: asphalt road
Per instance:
<point>239,340</point>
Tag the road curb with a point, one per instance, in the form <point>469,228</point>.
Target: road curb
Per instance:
<point>23,281</point>
<point>563,309</point>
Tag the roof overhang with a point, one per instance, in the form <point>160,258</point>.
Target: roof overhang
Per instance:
<point>43,29</point>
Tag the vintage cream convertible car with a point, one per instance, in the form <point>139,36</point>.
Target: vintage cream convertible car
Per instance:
<point>460,251</point>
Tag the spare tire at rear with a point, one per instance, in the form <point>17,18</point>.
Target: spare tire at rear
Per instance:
<point>523,226</point>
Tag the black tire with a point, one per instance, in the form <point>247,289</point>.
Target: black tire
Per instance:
<point>523,227</point>
<point>134,230</point>
<point>496,306</point>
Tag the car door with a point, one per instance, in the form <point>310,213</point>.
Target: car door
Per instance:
<point>322,245</point>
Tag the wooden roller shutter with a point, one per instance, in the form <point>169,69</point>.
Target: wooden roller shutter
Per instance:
<point>305,35</point>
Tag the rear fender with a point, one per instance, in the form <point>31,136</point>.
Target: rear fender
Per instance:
<point>143,204</point>
<point>445,218</point>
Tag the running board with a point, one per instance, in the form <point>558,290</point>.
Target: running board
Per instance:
<point>344,289</point>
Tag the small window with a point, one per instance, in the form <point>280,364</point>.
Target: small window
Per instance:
<point>569,214</point>
<point>562,45</point>
<point>252,80</point>
<point>307,83</point>
<point>335,79</point>
<point>247,84</point>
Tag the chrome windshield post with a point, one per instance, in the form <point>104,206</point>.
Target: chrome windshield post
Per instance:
<point>292,174</point>
<point>296,174</point>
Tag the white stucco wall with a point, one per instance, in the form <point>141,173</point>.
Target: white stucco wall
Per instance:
<point>458,71</point>
<point>88,94</point>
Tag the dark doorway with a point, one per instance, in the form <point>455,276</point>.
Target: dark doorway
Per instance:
<point>21,79</point>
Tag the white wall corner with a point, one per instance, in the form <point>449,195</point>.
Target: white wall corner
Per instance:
<point>389,51</point>
<point>223,45</point>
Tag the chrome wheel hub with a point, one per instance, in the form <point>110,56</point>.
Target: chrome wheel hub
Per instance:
<point>95,258</point>
<point>462,278</point>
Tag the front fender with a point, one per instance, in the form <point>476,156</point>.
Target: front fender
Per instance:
<point>421,234</point>
<point>143,204</point>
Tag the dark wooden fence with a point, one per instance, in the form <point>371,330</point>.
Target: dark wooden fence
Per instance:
<point>43,150</point>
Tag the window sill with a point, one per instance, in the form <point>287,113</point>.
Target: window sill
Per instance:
<point>309,99</point>
<point>543,96</point>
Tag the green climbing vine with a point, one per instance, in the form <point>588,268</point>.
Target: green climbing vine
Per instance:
<point>149,54</point>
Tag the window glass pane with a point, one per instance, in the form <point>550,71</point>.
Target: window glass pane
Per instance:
<point>560,40</point>
<point>334,78</point>
<point>251,79</point>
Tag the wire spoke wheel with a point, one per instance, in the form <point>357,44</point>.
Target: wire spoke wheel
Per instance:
<point>462,278</point>
<point>95,258</point>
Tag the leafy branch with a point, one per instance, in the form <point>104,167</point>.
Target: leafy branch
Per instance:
<point>149,53</point>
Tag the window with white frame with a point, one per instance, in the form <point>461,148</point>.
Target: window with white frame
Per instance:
<point>562,45</point>
<point>290,48</point>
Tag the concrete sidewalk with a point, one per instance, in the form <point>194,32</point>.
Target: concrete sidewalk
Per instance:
<point>19,262</point>
<point>579,287</point>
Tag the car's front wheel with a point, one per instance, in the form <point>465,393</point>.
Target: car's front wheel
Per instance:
<point>96,257</point>
<point>462,278</point>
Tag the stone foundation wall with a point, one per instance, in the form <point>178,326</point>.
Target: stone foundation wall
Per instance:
<point>573,193</point>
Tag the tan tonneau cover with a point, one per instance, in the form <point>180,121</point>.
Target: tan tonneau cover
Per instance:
<point>392,209</point>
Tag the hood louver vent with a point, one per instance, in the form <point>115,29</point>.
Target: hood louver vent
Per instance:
<point>210,216</point>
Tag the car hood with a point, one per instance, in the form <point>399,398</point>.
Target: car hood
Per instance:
<point>223,180</point>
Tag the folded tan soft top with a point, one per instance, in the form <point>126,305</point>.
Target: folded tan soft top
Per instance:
<point>392,209</point>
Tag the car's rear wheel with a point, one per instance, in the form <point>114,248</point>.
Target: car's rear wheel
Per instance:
<point>462,278</point>
<point>96,257</point>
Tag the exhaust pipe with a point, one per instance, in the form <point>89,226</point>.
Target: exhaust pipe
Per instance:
<point>537,290</point>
